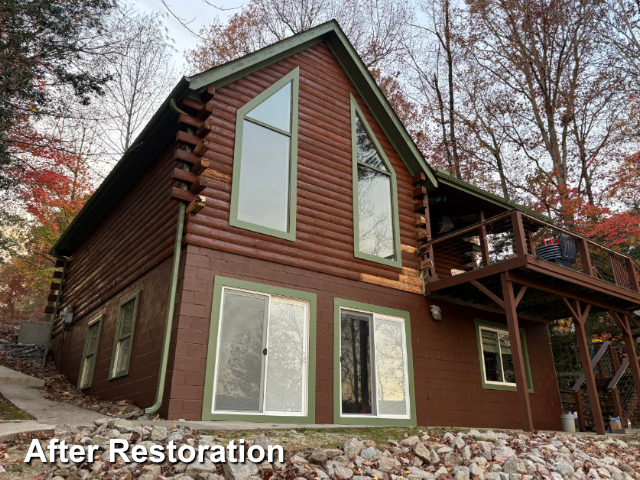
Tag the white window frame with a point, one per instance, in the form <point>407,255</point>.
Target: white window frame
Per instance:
<point>484,369</point>
<point>305,376</point>
<point>374,413</point>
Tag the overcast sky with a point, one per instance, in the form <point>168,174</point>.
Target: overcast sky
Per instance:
<point>196,13</point>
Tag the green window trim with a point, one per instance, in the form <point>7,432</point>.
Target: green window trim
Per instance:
<point>292,77</point>
<point>338,304</point>
<point>117,338</point>
<point>207,404</point>
<point>397,260</point>
<point>525,354</point>
<point>95,323</point>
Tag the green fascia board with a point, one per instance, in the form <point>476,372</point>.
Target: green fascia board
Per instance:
<point>397,260</point>
<point>207,402</point>
<point>292,77</point>
<point>525,355</point>
<point>135,297</point>
<point>162,128</point>
<point>446,179</point>
<point>338,419</point>
<point>86,352</point>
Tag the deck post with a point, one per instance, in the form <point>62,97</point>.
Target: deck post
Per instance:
<point>623,320</point>
<point>516,353</point>
<point>615,393</point>
<point>484,248</point>
<point>518,233</point>
<point>580,318</point>
<point>585,256</point>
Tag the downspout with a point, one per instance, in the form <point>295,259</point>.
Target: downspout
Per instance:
<point>173,288</point>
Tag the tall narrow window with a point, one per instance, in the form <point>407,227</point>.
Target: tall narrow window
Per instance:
<point>263,195</point>
<point>124,337</point>
<point>374,378</point>
<point>261,365</point>
<point>88,363</point>
<point>375,205</point>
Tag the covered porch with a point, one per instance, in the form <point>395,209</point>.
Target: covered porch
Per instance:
<point>502,263</point>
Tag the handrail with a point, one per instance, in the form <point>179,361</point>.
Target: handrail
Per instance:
<point>594,361</point>
<point>470,228</point>
<point>616,378</point>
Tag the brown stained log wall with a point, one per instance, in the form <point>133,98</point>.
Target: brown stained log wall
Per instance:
<point>136,236</point>
<point>324,237</point>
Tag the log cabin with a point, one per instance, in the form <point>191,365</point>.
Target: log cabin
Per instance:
<point>275,248</point>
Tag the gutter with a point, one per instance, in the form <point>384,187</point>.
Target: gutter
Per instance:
<point>173,288</point>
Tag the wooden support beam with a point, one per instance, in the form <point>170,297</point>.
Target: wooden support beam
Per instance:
<point>521,293</point>
<point>189,121</point>
<point>181,175</point>
<point>187,138</point>
<point>419,178</point>
<point>580,318</point>
<point>421,205</point>
<point>633,274</point>
<point>585,256</point>
<point>518,233</point>
<point>630,345</point>
<point>484,247</point>
<point>615,393</point>
<point>516,354</point>
<point>181,195</point>
<point>488,293</point>
<point>190,103</point>
<point>419,192</point>
<point>183,156</point>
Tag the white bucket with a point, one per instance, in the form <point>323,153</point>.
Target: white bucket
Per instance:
<point>568,422</point>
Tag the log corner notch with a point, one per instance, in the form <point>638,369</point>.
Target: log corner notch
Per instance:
<point>55,292</point>
<point>423,228</point>
<point>193,152</point>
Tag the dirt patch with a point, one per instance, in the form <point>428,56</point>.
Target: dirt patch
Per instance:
<point>12,455</point>
<point>8,411</point>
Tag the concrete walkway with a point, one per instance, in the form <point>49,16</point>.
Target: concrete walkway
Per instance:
<point>11,377</point>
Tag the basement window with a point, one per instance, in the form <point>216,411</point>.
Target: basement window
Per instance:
<point>495,356</point>
<point>263,193</point>
<point>375,196</point>
<point>124,337</point>
<point>89,354</point>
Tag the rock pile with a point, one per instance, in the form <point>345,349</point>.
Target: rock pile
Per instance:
<point>472,455</point>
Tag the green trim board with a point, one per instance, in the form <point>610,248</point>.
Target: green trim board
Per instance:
<point>525,354</point>
<point>397,259</point>
<point>118,337</point>
<point>96,323</point>
<point>207,404</point>
<point>293,78</point>
<point>338,418</point>
<point>162,128</point>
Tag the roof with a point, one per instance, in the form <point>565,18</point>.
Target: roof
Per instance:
<point>445,178</point>
<point>163,126</point>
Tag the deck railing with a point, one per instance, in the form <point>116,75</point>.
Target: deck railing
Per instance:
<point>515,234</point>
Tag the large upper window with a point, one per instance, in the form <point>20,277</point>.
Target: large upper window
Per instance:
<point>496,360</point>
<point>261,353</point>
<point>263,195</point>
<point>373,364</point>
<point>375,206</point>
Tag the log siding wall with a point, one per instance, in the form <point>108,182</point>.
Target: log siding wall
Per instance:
<point>324,237</point>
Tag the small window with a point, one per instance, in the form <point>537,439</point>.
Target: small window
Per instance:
<point>263,196</point>
<point>374,379</point>
<point>124,337</point>
<point>496,360</point>
<point>89,354</point>
<point>375,205</point>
